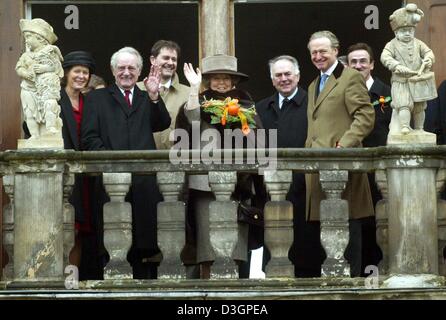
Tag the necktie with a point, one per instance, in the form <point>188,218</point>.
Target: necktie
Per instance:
<point>127,97</point>
<point>322,83</point>
<point>285,102</point>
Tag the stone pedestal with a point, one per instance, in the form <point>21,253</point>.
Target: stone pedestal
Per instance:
<point>223,225</point>
<point>68,218</point>
<point>38,221</point>
<point>413,137</point>
<point>441,218</point>
<point>171,225</point>
<point>8,227</point>
<point>278,224</point>
<point>382,221</point>
<point>413,235</point>
<point>117,225</point>
<point>41,143</point>
<point>334,223</point>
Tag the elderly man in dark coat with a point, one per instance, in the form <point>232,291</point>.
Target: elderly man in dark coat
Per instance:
<point>286,112</point>
<point>122,117</point>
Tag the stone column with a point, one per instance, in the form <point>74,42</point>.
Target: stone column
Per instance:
<point>441,218</point>
<point>334,223</point>
<point>68,218</point>
<point>216,27</point>
<point>171,225</point>
<point>223,224</point>
<point>278,224</point>
<point>38,220</point>
<point>413,234</point>
<point>117,225</point>
<point>382,221</point>
<point>8,227</point>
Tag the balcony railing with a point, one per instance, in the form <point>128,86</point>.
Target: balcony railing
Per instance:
<point>38,223</point>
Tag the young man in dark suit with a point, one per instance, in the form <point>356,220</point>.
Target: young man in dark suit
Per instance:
<point>360,57</point>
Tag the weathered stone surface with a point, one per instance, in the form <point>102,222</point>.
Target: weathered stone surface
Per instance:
<point>382,221</point>
<point>68,218</point>
<point>171,239</point>
<point>8,227</point>
<point>224,238</point>
<point>416,136</point>
<point>279,238</point>
<point>117,225</point>
<point>278,183</point>
<point>38,229</point>
<point>334,223</point>
<point>171,225</point>
<point>171,184</point>
<point>413,234</point>
<point>218,27</point>
<point>222,183</point>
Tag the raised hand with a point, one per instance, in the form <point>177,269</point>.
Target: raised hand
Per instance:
<point>193,77</point>
<point>152,82</point>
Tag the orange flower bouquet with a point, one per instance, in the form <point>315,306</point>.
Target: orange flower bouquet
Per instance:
<point>228,112</point>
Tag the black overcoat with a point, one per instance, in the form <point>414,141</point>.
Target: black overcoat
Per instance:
<point>378,136</point>
<point>110,124</point>
<point>291,125</point>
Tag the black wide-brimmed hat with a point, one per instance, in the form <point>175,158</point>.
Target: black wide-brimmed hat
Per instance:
<point>79,58</point>
<point>221,63</point>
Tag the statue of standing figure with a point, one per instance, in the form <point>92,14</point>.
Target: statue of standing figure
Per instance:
<point>410,61</point>
<point>41,70</point>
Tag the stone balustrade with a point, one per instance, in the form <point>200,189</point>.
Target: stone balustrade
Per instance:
<point>38,229</point>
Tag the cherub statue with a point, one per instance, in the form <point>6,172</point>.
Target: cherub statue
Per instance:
<point>410,60</point>
<point>41,70</point>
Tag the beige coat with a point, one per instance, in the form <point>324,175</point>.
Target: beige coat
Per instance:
<point>343,114</point>
<point>173,98</point>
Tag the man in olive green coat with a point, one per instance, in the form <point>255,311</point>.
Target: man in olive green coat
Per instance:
<point>340,115</point>
<point>165,53</point>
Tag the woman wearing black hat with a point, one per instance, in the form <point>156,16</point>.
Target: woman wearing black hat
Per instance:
<point>220,77</point>
<point>78,67</point>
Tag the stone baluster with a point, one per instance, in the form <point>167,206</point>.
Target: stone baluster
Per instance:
<point>171,225</point>
<point>38,220</point>
<point>334,223</point>
<point>68,218</point>
<point>8,227</point>
<point>382,221</point>
<point>224,232</point>
<point>278,224</point>
<point>117,225</point>
<point>441,218</point>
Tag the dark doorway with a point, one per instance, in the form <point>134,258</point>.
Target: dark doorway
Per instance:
<point>266,30</point>
<point>106,27</point>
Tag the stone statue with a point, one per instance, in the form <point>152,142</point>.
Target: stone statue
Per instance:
<point>410,61</point>
<point>41,70</point>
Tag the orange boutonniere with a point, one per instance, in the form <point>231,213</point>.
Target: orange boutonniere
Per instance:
<point>229,111</point>
<point>382,101</point>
